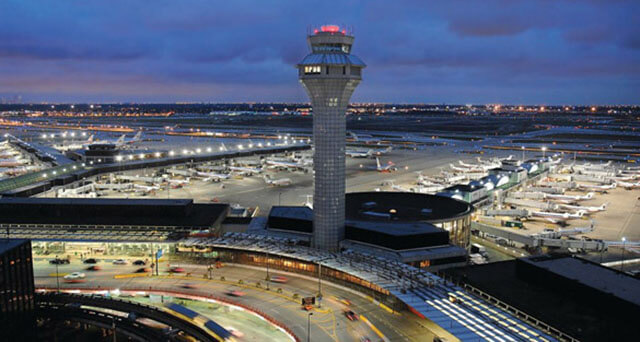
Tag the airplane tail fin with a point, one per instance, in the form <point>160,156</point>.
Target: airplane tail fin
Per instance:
<point>90,138</point>
<point>137,136</point>
<point>378,162</point>
<point>589,195</point>
<point>121,139</point>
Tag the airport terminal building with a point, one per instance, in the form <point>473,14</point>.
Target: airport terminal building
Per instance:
<point>422,230</point>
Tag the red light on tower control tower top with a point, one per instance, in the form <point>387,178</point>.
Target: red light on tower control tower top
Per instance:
<point>330,28</point>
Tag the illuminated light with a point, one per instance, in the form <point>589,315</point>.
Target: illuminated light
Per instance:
<point>542,109</point>
<point>198,150</point>
<point>73,167</point>
<point>279,137</point>
<point>131,157</point>
<point>221,149</point>
<point>141,155</point>
<point>315,31</point>
<point>240,147</point>
<point>185,151</point>
<point>521,108</point>
<point>64,170</point>
<point>84,134</point>
<point>72,106</point>
<point>171,153</point>
<point>51,135</point>
<point>44,136</point>
<point>118,158</point>
<point>250,145</point>
<point>330,28</point>
<point>259,144</point>
<point>157,154</point>
<point>99,161</point>
<point>91,106</point>
<point>44,175</point>
<point>73,134</point>
<point>268,144</point>
<point>593,109</point>
<point>208,149</point>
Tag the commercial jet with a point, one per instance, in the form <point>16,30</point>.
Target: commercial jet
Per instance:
<point>557,218</point>
<point>597,188</point>
<point>277,182</point>
<point>212,177</point>
<point>569,198</point>
<point>587,210</point>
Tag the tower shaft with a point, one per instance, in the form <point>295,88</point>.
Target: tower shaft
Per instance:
<point>329,74</point>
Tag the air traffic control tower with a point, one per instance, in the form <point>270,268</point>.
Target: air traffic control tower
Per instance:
<point>329,74</point>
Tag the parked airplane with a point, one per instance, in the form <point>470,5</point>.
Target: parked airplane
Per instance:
<point>598,188</point>
<point>178,182</point>
<point>248,171</point>
<point>387,168</point>
<point>359,153</point>
<point>628,185</point>
<point>558,218</point>
<point>587,210</point>
<point>145,188</point>
<point>277,182</point>
<point>569,198</point>
<point>212,177</point>
<point>284,165</point>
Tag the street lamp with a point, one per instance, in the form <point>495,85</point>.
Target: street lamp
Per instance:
<point>624,239</point>
<point>57,275</point>
<point>522,153</point>
<point>309,326</point>
<point>544,150</point>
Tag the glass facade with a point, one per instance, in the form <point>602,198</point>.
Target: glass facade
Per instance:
<point>459,230</point>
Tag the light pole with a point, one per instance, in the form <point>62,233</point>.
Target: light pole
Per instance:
<point>522,153</point>
<point>57,275</point>
<point>268,278</point>
<point>279,196</point>
<point>624,239</point>
<point>309,326</point>
<point>544,151</point>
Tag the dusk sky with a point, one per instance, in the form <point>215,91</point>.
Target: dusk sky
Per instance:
<point>486,51</point>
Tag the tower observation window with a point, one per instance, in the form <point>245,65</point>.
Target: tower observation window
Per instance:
<point>312,69</point>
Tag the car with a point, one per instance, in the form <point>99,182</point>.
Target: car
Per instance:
<point>351,315</point>
<point>59,261</point>
<point>176,269</point>
<point>235,293</point>
<point>94,268</point>
<point>143,270</point>
<point>307,307</point>
<point>74,275</point>
<point>139,263</point>
<point>91,261</point>
<point>119,262</point>
<point>279,279</point>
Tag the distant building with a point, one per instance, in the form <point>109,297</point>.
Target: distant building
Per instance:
<point>87,219</point>
<point>329,74</point>
<point>16,288</point>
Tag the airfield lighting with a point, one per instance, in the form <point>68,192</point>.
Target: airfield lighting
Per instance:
<point>84,134</point>
<point>259,144</point>
<point>99,161</point>
<point>131,157</point>
<point>157,154</point>
<point>44,136</point>
<point>73,167</point>
<point>185,151</point>
<point>250,145</point>
<point>55,173</point>
<point>51,135</point>
<point>544,150</point>
<point>208,149</point>
<point>141,155</point>
<point>118,158</point>
<point>221,149</point>
<point>83,164</point>
<point>522,152</point>
<point>91,162</point>
<point>279,137</point>
<point>198,150</point>
<point>64,170</point>
<point>44,175</point>
<point>268,144</point>
<point>240,147</point>
<point>73,134</point>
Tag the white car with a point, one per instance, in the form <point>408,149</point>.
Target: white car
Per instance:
<point>74,275</point>
<point>120,262</point>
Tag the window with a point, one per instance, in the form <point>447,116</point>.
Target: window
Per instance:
<point>332,102</point>
<point>312,69</point>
